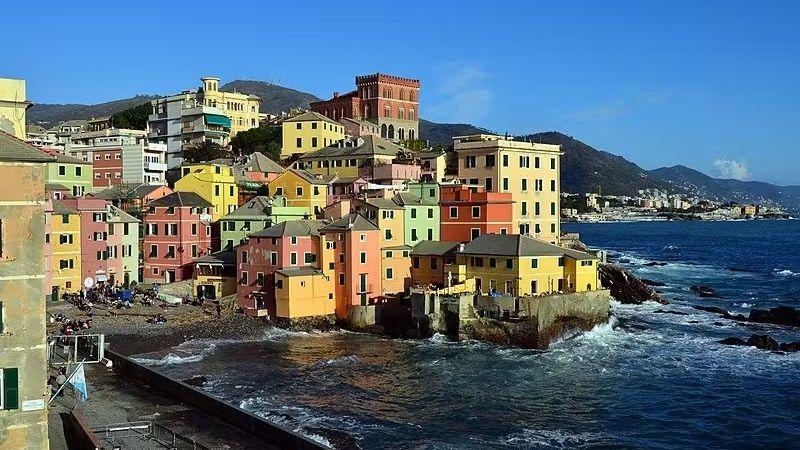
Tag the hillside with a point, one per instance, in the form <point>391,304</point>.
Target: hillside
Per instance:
<point>274,99</point>
<point>52,114</point>
<point>442,133</point>
<point>692,181</point>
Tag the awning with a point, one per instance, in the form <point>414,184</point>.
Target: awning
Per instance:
<point>216,119</point>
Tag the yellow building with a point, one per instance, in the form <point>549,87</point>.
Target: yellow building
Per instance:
<point>302,189</point>
<point>529,171</point>
<point>348,158</point>
<point>13,104</point>
<point>309,131</point>
<point>241,108</point>
<point>388,215</point>
<point>23,360</point>
<point>214,182</point>
<point>65,241</point>
<point>215,275</point>
<point>303,292</point>
<point>429,260</point>
<point>521,265</point>
<point>395,269</point>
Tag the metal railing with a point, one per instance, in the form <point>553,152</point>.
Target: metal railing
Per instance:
<point>146,434</point>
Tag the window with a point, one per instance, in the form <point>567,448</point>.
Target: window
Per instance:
<point>476,212</point>
<point>430,234</point>
<point>299,143</point>
<point>524,162</point>
<point>552,208</point>
<point>363,238</point>
<point>245,257</point>
<point>534,287</point>
<point>492,263</point>
<point>413,213</point>
<point>293,258</point>
<point>534,263</point>
<point>536,162</point>
<point>341,279</point>
<point>389,254</point>
<point>476,261</point>
<point>62,170</point>
<point>505,184</point>
<point>489,184</point>
<point>313,125</point>
<point>524,209</point>
<point>230,191</point>
<point>586,263</point>
<point>194,229</point>
<point>314,141</point>
<point>453,212</point>
<point>490,161</point>
<point>552,185</point>
<point>470,161</point>
<point>310,258</point>
<point>560,261</point>
<point>524,185</point>
<point>553,228</point>
<point>389,273</point>
<point>153,251</point>
<point>299,126</point>
<point>434,263</point>
<point>293,240</point>
<point>552,164</point>
<point>9,389</point>
<point>260,279</point>
<point>430,213</point>
<point>509,263</point>
<point>415,262</point>
<point>505,160</point>
<point>475,233</point>
<point>170,251</point>
<point>299,191</point>
<point>244,278</point>
<point>363,257</point>
<point>413,234</point>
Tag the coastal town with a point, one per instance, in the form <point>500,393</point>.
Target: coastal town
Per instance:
<point>353,222</point>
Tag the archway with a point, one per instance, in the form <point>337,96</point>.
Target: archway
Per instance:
<point>391,132</point>
<point>383,131</point>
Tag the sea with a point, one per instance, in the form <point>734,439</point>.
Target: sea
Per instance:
<point>654,377</point>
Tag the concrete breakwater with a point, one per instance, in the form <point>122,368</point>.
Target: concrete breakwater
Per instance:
<point>272,433</point>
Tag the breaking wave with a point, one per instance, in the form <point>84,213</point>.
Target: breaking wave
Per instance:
<point>175,358</point>
<point>785,273</point>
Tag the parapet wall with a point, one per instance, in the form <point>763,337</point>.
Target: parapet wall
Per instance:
<point>269,432</point>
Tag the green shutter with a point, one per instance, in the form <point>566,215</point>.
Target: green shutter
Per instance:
<point>10,389</point>
<point>1,318</point>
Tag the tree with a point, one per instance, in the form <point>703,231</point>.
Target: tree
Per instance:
<point>265,139</point>
<point>134,118</point>
<point>204,151</point>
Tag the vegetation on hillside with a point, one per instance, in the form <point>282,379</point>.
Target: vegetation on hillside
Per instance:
<point>266,139</point>
<point>134,118</point>
<point>204,151</point>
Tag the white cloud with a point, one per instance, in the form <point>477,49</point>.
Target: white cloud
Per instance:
<point>730,168</point>
<point>461,94</point>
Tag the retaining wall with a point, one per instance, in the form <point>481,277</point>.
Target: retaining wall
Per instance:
<point>269,432</point>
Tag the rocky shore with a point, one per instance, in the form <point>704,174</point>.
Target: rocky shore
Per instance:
<point>626,287</point>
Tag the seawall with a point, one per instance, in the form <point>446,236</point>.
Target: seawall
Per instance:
<point>261,428</point>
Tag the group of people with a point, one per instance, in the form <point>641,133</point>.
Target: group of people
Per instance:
<point>72,326</point>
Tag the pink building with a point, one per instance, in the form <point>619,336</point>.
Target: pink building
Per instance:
<point>389,173</point>
<point>94,237</point>
<point>357,260</point>
<point>294,243</point>
<point>177,230</point>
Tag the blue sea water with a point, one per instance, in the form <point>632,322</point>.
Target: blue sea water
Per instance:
<point>645,380</point>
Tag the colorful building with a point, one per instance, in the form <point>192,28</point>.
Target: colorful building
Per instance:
<point>177,230</point>
<point>63,244</point>
<point>213,182</point>
<point>468,212</point>
<point>307,132</point>
<point>257,214</point>
<point>289,244</point>
<point>303,292</point>
<point>215,275</point>
<point>23,360</point>
<point>433,164</point>
<point>352,244</point>
<point>421,215</point>
<point>395,269</point>
<point>73,173</point>
<point>13,107</point>
<point>529,171</point>
<point>351,158</point>
<point>133,199</point>
<point>123,246</point>
<point>390,102</point>
<point>119,157</point>
<point>429,262</point>
<point>204,114</point>
<point>94,238</point>
<point>301,189</point>
<point>521,265</point>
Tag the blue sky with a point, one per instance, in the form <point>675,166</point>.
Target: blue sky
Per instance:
<point>709,84</point>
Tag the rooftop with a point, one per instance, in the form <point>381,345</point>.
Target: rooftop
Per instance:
<point>518,245</point>
<point>181,199</point>
<point>311,116</point>
<point>368,145</point>
<point>293,228</point>
<point>435,248</point>
<point>223,257</point>
<point>353,221</point>
<point>15,150</point>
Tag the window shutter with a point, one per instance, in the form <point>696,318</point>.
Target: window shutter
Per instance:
<point>10,389</point>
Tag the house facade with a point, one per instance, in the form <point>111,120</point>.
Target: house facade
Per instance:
<point>213,182</point>
<point>468,212</point>
<point>307,132</point>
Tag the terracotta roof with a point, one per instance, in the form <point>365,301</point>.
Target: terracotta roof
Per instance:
<point>16,150</point>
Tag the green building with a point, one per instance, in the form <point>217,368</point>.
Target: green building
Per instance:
<point>259,213</point>
<point>123,241</point>
<point>421,212</point>
<point>73,173</point>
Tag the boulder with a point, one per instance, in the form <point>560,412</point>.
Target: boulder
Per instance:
<point>667,311</point>
<point>733,341</point>
<point>763,342</point>
<point>703,291</point>
<point>197,380</point>
<point>653,282</point>
<point>712,309</point>
<point>655,263</point>
<point>781,315</point>
<point>626,287</point>
<point>790,347</point>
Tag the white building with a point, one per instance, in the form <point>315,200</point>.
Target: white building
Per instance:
<point>124,156</point>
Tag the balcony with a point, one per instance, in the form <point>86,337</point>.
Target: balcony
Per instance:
<point>155,166</point>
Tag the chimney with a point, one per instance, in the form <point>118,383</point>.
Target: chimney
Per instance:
<point>335,94</point>
<point>461,247</point>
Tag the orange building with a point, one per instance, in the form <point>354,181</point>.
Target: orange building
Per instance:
<point>468,212</point>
